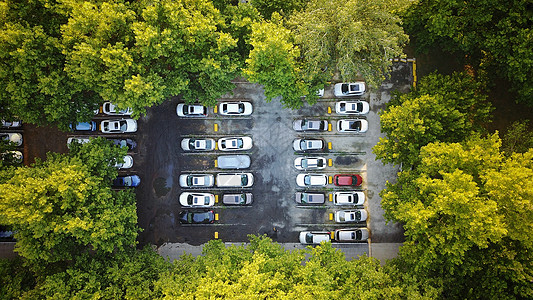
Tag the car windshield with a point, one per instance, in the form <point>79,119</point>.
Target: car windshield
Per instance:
<point>123,125</point>
<point>344,88</point>
<point>309,238</point>
<point>235,143</point>
<point>356,125</point>
<point>244,180</point>
<point>357,215</point>
<point>304,163</point>
<point>240,198</point>
<point>342,216</point>
<point>358,234</point>
<point>354,88</point>
<point>359,106</point>
<point>307,179</point>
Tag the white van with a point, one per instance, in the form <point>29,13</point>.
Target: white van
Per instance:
<point>235,180</point>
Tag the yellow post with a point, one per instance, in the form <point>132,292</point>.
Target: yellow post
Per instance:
<point>216,146</point>
<point>329,109</point>
<point>329,145</point>
<point>216,234</point>
<point>330,216</point>
<point>216,127</point>
<point>330,179</point>
<point>216,163</point>
<point>216,217</point>
<point>330,162</point>
<point>330,197</point>
<point>332,235</point>
<point>216,198</point>
<point>215,109</point>
<point>329,127</point>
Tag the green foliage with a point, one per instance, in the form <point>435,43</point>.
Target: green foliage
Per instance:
<point>264,269</point>
<point>466,212</point>
<point>446,108</point>
<point>124,275</point>
<point>15,279</point>
<point>273,63</point>
<point>517,138</point>
<point>496,35</point>
<point>64,205</point>
<point>354,38</point>
<point>282,7</point>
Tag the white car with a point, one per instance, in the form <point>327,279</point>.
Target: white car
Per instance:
<point>109,108</point>
<point>126,164</point>
<point>118,126</point>
<point>233,161</point>
<point>11,124</point>
<point>197,199</point>
<point>349,198</point>
<point>79,140</point>
<point>307,144</point>
<point>15,138</point>
<point>310,125</point>
<point>314,237</point>
<point>14,156</point>
<point>351,216</point>
<point>198,144</point>
<point>356,125</point>
<point>191,110</point>
<point>349,89</point>
<point>352,107</point>
<point>309,163</point>
<point>236,108</point>
<point>351,235</point>
<point>196,180</point>
<point>305,180</point>
<point>235,143</point>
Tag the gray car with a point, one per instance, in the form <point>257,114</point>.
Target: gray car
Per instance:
<point>238,199</point>
<point>309,198</point>
<point>233,161</point>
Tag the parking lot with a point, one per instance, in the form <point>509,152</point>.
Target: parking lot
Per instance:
<point>160,161</point>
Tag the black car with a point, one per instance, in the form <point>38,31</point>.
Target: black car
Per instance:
<point>197,217</point>
<point>131,144</point>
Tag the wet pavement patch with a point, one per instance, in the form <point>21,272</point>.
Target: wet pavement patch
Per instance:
<point>160,186</point>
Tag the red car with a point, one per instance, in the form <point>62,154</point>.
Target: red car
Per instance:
<point>347,179</point>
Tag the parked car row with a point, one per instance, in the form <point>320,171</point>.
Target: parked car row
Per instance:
<point>224,144</point>
<point>199,200</point>
<point>311,163</point>
<point>238,108</point>
<point>14,138</point>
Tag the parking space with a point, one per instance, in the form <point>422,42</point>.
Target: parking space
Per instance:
<point>274,211</point>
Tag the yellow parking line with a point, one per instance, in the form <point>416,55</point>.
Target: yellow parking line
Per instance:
<point>216,127</point>
<point>330,162</point>
<point>330,216</point>
<point>329,109</point>
<point>330,197</point>
<point>330,179</point>
<point>216,234</point>
<point>329,145</point>
<point>216,217</point>
<point>215,109</point>
<point>216,198</point>
<point>329,127</point>
<point>216,163</point>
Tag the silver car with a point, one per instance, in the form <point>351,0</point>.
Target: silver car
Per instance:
<point>196,180</point>
<point>233,161</point>
<point>198,144</point>
<point>238,199</point>
<point>307,144</point>
<point>310,125</point>
<point>351,235</point>
<point>310,198</point>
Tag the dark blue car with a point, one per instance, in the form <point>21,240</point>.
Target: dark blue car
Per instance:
<point>127,181</point>
<point>84,126</point>
<point>197,217</point>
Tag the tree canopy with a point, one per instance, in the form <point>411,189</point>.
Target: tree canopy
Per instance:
<point>64,205</point>
<point>445,108</point>
<point>354,38</point>
<point>495,35</point>
<point>466,209</point>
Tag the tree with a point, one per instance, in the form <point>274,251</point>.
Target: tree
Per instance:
<point>273,63</point>
<point>33,85</point>
<point>15,279</point>
<point>465,210</point>
<point>356,38</point>
<point>264,269</point>
<point>284,8</point>
<point>64,205</point>
<point>517,138</point>
<point>125,275</point>
<point>445,108</point>
<point>496,36</point>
